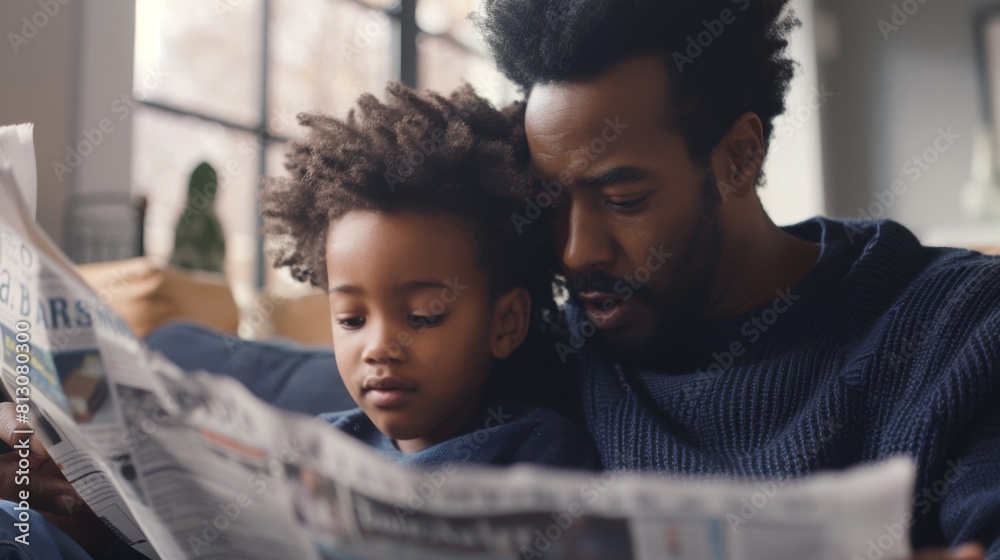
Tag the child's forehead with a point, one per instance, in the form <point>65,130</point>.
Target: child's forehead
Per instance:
<point>410,244</point>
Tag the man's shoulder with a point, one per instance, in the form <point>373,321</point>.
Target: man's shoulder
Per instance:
<point>956,285</point>
<point>889,274</point>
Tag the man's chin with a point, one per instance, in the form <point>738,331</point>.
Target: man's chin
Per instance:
<point>630,341</point>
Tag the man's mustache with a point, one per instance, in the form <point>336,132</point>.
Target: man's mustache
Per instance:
<point>593,282</point>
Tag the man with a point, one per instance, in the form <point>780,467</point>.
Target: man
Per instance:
<point>705,339</point>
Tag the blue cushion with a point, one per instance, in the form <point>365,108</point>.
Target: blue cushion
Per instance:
<point>284,374</point>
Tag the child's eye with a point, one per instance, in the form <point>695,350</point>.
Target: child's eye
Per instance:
<point>424,321</point>
<point>351,323</point>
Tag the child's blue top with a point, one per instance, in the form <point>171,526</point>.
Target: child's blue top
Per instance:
<point>500,435</point>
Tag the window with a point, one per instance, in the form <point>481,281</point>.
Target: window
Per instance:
<point>222,81</point>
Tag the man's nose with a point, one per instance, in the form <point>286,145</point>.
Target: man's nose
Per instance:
<point>588,244</point>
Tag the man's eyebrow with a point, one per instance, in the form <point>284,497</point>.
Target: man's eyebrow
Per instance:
<point>626,174</point>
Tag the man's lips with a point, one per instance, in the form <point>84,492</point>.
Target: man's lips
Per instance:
<point>608,311</point>
<point>387,391</point>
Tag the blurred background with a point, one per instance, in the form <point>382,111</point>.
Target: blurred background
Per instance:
<point>890,115</point>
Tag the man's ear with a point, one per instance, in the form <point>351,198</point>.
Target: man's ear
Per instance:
<point>511,318</point>
<point>739,156</point>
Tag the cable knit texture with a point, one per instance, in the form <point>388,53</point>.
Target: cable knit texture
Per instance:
<point>885,348</point>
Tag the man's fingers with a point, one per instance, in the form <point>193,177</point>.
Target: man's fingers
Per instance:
<point>45,492</point>
<point>53,494</point>
<point>9,424</point>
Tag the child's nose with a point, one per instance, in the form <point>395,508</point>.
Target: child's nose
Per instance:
<point>384,347</point>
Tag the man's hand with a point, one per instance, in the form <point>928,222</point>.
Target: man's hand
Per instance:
<point>48,490</point>
<point>49,493</point>
<point>964,552</point>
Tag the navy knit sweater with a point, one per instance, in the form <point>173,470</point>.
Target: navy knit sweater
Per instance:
<point>500,435</point>
<point>885,348</point>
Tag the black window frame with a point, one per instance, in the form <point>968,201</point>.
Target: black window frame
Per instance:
<point>405,36</point>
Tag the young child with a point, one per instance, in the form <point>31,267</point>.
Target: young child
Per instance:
<point>402,213</point>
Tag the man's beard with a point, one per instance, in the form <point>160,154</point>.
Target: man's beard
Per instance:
<point>683,301</point>
<point>688,294</point>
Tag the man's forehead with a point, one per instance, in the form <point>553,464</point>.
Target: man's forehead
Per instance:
<point>564,116</point>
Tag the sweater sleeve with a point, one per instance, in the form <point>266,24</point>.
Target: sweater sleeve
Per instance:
<point>970,505</point>
<point>969,488</point>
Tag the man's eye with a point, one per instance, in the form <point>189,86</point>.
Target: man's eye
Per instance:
<point>424,321</point>
<point>351,323</point>
<point>627,204</point>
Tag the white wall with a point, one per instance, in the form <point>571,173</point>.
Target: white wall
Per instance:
<point>75,60</point>
<point>38,84</point>
<point>894,90</point>
<point>793,168</point>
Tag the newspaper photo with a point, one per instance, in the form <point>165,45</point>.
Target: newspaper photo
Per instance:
<point>192,465</point>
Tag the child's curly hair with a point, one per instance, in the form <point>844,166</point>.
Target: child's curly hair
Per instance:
<point>458,157</point>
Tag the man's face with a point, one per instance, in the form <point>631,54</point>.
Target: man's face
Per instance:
<point>637,225</point>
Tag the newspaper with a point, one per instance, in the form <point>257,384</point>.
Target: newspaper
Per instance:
<point>193,466</point>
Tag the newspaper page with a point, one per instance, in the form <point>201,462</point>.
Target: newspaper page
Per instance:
<point>194,466</point>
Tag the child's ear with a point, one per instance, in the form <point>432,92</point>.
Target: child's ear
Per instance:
<point>511,318</point>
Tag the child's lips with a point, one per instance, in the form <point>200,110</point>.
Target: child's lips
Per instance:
<point>387,391</point>
<point>389,398</point>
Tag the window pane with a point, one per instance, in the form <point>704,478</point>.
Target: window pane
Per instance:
<point>166,150</point>
<point>323,55</point>
<point>451,17</point>
<point>443,66</point>
<point>208,54</point>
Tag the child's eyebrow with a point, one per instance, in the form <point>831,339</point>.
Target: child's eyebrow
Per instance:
<point>427,284</point>
<point>409,286</point>
<point>345,289</point>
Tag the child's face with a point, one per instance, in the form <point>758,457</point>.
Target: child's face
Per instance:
<point>413,322</point>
